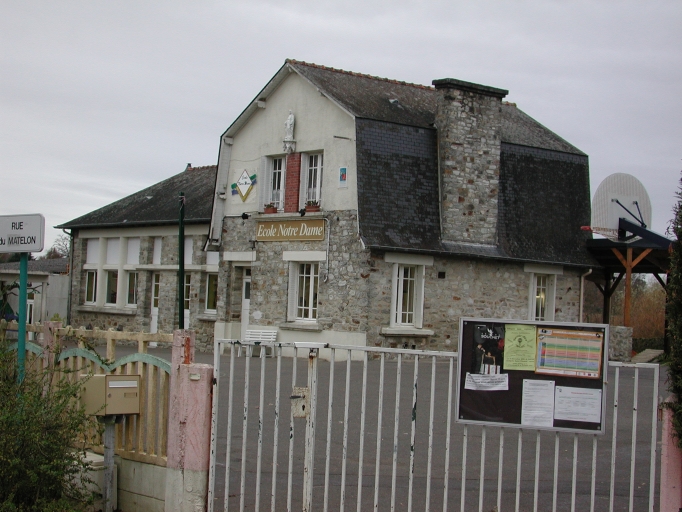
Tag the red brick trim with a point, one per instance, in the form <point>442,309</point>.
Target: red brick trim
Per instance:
<point>293,182</point>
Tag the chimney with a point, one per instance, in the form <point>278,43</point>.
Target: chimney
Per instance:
<point>468,120</point>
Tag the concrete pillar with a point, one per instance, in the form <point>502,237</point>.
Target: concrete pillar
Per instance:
<point>189,428</point>
<point>671,467</point>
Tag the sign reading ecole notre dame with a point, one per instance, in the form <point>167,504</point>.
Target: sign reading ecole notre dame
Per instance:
<point>22,233</point>
<point>282,231</point>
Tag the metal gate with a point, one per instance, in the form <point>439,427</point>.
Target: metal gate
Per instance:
<point>329,427</point>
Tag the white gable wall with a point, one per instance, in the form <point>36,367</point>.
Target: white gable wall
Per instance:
<point>320,125</point>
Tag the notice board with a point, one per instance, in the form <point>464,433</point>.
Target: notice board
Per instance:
<point>537,375</point>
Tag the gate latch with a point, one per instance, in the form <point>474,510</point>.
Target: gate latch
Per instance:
<point>300,402</point>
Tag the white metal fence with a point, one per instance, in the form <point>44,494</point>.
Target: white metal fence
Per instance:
<point>374,429</point>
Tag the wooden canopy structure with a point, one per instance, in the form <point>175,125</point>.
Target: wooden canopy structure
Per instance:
<point>637,250</point>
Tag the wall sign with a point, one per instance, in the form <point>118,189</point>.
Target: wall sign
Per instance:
<point>540,375</point>
<point>343,177</point>
<point>281,231</point>
<point>244,185</point>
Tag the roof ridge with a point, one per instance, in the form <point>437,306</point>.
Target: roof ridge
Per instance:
<point>201,167</point>
<point>362,75</point>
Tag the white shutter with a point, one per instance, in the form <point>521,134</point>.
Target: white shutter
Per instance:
<point>419,296</point>
<point>292,291</point>
<point>264,183</point>
<point>303,192</point>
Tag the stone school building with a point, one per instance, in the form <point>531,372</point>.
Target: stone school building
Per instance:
<point>353,209</point>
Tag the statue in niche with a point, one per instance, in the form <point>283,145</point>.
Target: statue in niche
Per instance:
<point>289,142</point>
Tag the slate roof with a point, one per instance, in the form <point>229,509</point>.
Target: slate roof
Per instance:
<point>158,204</point>
<point>52,266</point>
<point>544,181</point>
<point>382,99</point>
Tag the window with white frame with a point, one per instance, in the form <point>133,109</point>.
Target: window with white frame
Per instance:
<point>90,286</point>
<point>277,183</point>
<point>112,285</point>
<point>132,289</point>
<point>542,294</point>
<point>542,291</point>
<point>312,181</point>
<point>407,295</point>
<point>406,283</point>
<point>306,291</point>
<point>211,292</point>
<point>304,281</point>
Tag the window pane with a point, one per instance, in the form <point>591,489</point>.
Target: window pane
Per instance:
<point>187,289</point>
<point>91,286</point>
<point>112,284</point>
<point>307,291</point>
<point>132,288</point>
<point>406,294</point>
<point>540,297</point>
<point>155,290</point>
<point>211,291</point>
<point>314,177</point>
<point>277,182</point>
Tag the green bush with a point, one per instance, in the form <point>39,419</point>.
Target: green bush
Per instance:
<point>43,430</point>
<point>674,316</point>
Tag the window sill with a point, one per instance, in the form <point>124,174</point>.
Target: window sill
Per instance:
<point>301,326</point>
<point>109,310</point>
<point>406,331</point>
<point>208,317</point>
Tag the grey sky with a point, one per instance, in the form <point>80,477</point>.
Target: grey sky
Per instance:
<point>101,99</point>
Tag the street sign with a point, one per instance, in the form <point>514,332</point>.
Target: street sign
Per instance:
<point>22,233</point>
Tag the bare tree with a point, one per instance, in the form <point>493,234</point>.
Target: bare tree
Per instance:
<point>62,246</point>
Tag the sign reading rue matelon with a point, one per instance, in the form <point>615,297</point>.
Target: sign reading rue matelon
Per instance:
<point>279,231</point>
<point>22,233</point>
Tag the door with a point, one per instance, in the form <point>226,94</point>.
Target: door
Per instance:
<point>156,284</point>
<point>246,300</point>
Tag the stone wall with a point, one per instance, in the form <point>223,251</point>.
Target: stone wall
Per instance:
<point>139,318</point>
<point>469,288</point>
<point>343,291</point>
<point>356,295</point>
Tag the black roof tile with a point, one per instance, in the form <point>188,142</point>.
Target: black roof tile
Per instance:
<point>158,204</point>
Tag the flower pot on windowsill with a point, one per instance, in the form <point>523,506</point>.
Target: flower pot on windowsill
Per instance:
<point>312,206</point>
<point>270,209</point>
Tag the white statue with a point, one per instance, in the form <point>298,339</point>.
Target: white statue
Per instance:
<point>289,127</point>
<point>289,142</point>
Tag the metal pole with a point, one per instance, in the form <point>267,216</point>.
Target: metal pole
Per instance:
<point>21,341</point>
<point>181,263</point>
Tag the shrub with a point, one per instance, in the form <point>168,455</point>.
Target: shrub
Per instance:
<point>674,315</point>
<point>43,430</point>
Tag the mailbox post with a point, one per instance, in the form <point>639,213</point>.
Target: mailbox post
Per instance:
<point>110,397</point>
